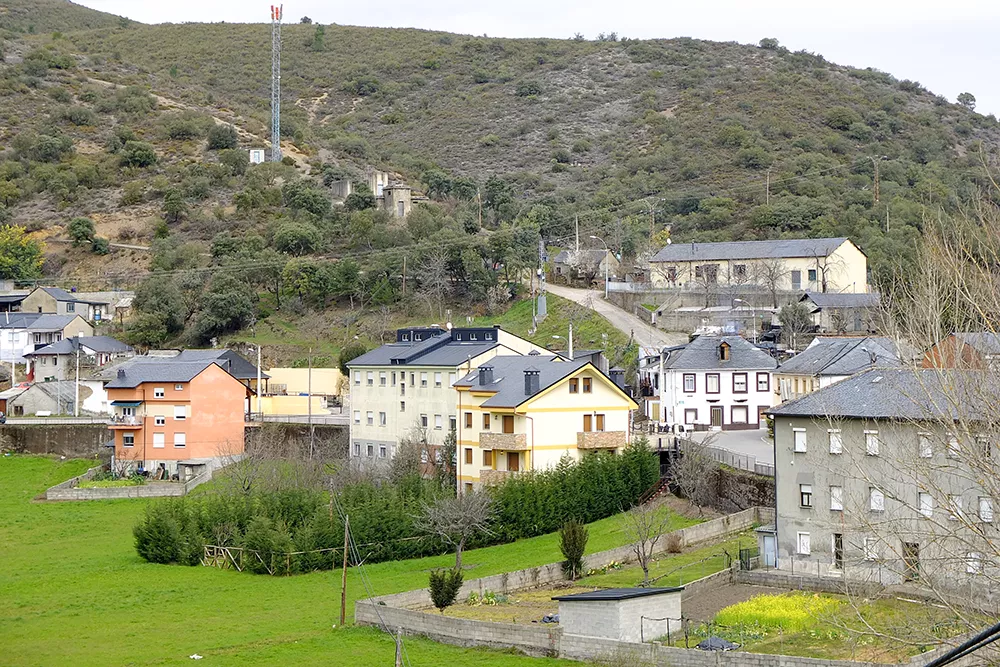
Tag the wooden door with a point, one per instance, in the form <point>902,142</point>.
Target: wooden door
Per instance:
<point>513,461</point>
<point>717,413</point>
<point>508,423</point>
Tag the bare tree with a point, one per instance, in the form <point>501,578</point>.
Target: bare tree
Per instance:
<point>435,281</point>
<point>457,519</point>
<point>695,474</point>
<point>795,322</point>
<point>644,526</point>
<point>770,275</point>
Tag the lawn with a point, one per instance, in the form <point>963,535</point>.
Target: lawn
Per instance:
<point>75,593</point>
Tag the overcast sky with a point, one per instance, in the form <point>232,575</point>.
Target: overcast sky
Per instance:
<point>947,46</point>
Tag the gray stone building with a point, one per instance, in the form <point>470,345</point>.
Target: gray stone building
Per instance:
<point>889,476</point>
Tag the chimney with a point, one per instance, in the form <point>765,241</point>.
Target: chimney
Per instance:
<point>121,373</point>
<point>485,375</point>
<point>618,377</point>
<point>531,381</point>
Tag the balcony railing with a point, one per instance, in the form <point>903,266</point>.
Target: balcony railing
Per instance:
<point>508,442</point>
<point>124,420</point>
<point>489,476</point>
<point>600,440</point>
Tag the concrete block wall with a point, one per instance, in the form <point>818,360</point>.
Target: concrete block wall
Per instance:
<point>69,489</point>
<point>779,579</point>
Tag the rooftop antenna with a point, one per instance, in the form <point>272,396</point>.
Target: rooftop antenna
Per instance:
<point>276,14</point>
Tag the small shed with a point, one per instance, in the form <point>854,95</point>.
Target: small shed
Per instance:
<point>623,614</point>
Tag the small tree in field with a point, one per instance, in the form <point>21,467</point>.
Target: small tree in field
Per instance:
<point>444,587</point>
<point>644,526</point>
<point>81,230</point>
<point>573,542</point>
<point>456,520</point>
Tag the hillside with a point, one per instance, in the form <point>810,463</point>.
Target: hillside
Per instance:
<point>698,140</point>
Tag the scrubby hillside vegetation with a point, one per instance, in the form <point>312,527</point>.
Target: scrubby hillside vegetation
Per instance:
<point>128,125</point>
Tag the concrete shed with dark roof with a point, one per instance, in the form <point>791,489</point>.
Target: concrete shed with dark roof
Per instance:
<point>623,614</point>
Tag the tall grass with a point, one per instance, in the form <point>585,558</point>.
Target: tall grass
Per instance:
<point>791,612</point>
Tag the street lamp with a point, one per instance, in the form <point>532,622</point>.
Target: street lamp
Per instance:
<point>607,262</point>
<point>753,317</point>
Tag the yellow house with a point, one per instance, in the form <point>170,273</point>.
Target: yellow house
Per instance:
<point>813,265</point>
<point>521,413</point>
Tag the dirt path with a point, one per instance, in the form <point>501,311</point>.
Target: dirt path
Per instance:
<point>313,109</point>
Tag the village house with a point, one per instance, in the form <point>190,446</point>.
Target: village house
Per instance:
<point>828,360</point>
<point>970,350</point>
<point>58,301</point>
<point>713,382</point>
<point>813,265</point>
<point>22,333</point>
<point>842,312</point>
<point>522,413</point>
<point>403,390</point>
<point>886,477</point>
<point>166,411</point>
<point>587,266</point>
<point>58,361</point>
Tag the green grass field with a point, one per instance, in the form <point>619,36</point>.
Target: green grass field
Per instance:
<point>74,592</point>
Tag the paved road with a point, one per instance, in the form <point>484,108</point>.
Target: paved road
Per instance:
<point>624,321</point>
<point>754,443</point>
<point>327,420</point>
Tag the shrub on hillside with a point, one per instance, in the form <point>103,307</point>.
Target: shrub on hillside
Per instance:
<point>573,543</point>
<point>158,536</point>
<point>100,245</point>
<point>444,586</point>
<point>138,154</point>
<point>81,230</point>
<point>222,137</point>
<point>528,88</point>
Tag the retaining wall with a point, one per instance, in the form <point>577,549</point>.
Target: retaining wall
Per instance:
<point>70,490</point>
<point>74,441</point>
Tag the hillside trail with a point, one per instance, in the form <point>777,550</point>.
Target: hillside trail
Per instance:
<point>287,148</point>
<point>313,109</point>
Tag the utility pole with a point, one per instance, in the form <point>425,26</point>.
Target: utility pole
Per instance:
<point>578,233</point>
<point>343,576</point>
<point>399,647</point>
<point>571,339</point>
<point>767,188</point>
<point>875,162</point>
<point>309,398</point>
<point>276,15</point>
<point>404,275</point>
<point>259,408</point>
<point>76,398</point>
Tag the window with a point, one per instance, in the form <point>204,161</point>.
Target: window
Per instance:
<point>724,352</point>
<point>953,447</point>
<point>985,509</point>
<point>711,383</point>
<point>370,418</point>
<point>763,382</point>
<point>740,414</point>
<point>70,307</point>
<point>925,504</point>
<point>871,548</point>
<point>370,378</point>
<point>159,392</point>
<point>812,275</point>
<point>985,446</point>
<point>798,440</point>
<point>837,498</point>
<point>926,448</point>
<point>452,422</point>
<point>836,441</point>
<point>394,378</point>
<point>574,386</point>
<point>740,271</point>
<point>468,420</point>
<point>588,385</point>
<point>690,385</point>
<point>159,440</point>
<point>160,420</point>
<point>55,361</point>
<point>180,412</point>
<point>488,459</point>
<point>423,379</point>
<point>180,439</point>
<point>128,439</point>
<point>437,380</point>
<point>468,456</point>
<point>381,378</point>
<point>370,449</point>
<point>402,406</point>
<point>739,383</point>
<point>954,507</point>
<point>357,449</point>
<point>451,379</point>
<point>805,495</point>
<point>588,423</point>
<point>600,422</point>
<point>424,458</point>
<point>468,485</point>
<point>357,378</point>
<point>413,379</point>
<point>876,500</point>
<point>423,421</point>
<point>438,422</point>
<point>690,415</point>
<point>357,416</point>
<point>486,421</point>
<point>382,419</point>
<point>871,443</point>
<point>974,563</point>
<point>178,387</point>
<point>802,544</point>
<point>382,451</point>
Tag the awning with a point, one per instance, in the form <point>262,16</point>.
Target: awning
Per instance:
<point>126,404</point>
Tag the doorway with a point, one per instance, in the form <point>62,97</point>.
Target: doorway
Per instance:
<point>911,561</point>
<point>513,461</point>
<point>838,551</point>
<point>717,413</point>
<point>770,559</point>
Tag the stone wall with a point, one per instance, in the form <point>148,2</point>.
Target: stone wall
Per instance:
<point>69,490</point>
<point>74,441</point>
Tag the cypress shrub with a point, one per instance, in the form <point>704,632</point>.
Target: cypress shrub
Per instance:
<point>158,536</point>
<point>444,586</point>
<point>573,543</point>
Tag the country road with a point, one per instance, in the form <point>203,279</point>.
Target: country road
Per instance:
<point>627,323</point>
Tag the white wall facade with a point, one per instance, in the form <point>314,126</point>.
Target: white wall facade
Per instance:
<point>740,409</point>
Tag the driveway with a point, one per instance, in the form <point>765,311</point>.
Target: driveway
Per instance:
<point>624,321</point>
<point>755,443</point>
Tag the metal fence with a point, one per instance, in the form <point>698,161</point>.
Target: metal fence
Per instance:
<point>730,458</point>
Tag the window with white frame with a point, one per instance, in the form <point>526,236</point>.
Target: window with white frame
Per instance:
<point>438,422</point>
<point>954,507</point>
<point>798,440</point>
<point>423,421</point>
<point>802,546</point>
<point>128,439</point>
<point>739,383</point>
<point>876,500</point>
<point>836,441</point>
<point>740,414</point>
<point>382,419</point>
<point>451,379</point>
<point>370,418</point>
<point>423,379</point>
<point>763,382</point>
<point>871,548</point>
<point>985,509</point>
<point>180,412</point>
<point>357,449</point>
<point>925,503</point>
<point>953,447</point>
<point>159,392</point>
<point>402,406</point>
<point>394,378</point>
<point>382,451</point>
<point>370,378</point>
<point>926,447</point>
<point>805,495</point>
<point>837,498</point>
<point>370,449</point>
<point>180,439</point>
<point>357,378</point>
<point>160,420</point>
<point>159,440</point>
<point>178,387</point>
<point>437,379</point>
<point>974,563</point>
<point>357,416</point>
<point>690,385</point>
<point>871,443</point>
<point>711,383</point>
<point>381,378</point>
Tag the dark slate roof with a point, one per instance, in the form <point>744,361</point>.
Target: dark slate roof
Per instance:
<point>896,393</point>
<point>508,377</point>
<point>581,257</point>
<point>703,354</point>
<point>841,356</point>
<point>440,350</point>
<point>105,344</point>
<point>843,299</point>
<point>59,294</point>
<point>614,594</point>
<point>983,342</point>
<point>50,322</point>
<point>693,252</point>
<point>12,298</point>
<point>18,320</point>
<point>157,371</point>
<point>237,366</point>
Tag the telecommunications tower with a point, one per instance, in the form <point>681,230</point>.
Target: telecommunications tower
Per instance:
<point>276,15</point>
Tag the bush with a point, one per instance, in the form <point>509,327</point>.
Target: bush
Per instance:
<point>81,230</point>
<point>297,238</point>
<point>157,537</point>
<point>100,246</point>
<point>528,88</point>
<point>79,115</point>
<point>841,118</point>
<point>573,543</point>
<point>138,154</point>
<point>236,160</point>
<point>222,137</point>
<point>444,586</point>
<point>347,353</point>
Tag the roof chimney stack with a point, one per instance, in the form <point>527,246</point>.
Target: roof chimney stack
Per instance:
<point>485,375</point>
<point>121,373</point>
<point>531,381</point>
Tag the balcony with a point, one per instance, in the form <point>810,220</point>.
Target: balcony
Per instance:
<point>600,440</point>
<point>507,442</point>
<point>489,477</point>
<point>124,422</point>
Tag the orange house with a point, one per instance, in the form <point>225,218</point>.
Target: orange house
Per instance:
<point>168,411</point>
<point>968,350</point>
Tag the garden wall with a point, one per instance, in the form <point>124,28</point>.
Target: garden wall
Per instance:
<point>74,441</point>
<point>69,490</point>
